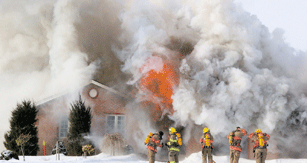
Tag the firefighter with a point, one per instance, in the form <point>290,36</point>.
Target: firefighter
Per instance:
<point>206,144</point>
<point>260,145</point>
<point>153,141</point>
<point>173,145</point>
<point>234,144</point>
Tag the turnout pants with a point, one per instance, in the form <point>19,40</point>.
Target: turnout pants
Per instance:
<point>234,156</point>
<point>173,156</point>
<point>151,156</point>
<point>207,152</point>
<point>260,155</point>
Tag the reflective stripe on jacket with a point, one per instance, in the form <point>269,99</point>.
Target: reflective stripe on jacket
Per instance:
<point>254,138</point>
<point>154,142</point>
<point>206,140</point>
<point>237,136</point>
<point>173,143</point>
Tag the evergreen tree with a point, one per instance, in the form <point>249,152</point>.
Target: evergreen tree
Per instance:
<point>23,122</point>
<point>80,124</point>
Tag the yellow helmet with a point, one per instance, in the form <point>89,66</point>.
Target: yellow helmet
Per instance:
<point>172,130</point>
<point>258,131</point>
<point>205,130</point>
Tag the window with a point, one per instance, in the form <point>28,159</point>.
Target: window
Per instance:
<point>63,128</point>
<point>116,123</point>
<point>93,93</point>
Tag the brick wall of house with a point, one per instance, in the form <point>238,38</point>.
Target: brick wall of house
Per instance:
<point>50,113</point>
<point>105,103</point>
<point>192,146</point>
<point>47,130</point>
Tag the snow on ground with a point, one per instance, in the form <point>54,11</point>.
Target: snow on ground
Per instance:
<point>103,158</point>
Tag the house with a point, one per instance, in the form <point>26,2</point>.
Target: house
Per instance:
<point>108,111</point>
<point>109,116</point>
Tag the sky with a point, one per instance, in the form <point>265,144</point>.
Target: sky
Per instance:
<point>285,14</point>
<point>132,158</point>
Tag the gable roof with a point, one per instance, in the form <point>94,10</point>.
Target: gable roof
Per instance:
<point>40,102</point>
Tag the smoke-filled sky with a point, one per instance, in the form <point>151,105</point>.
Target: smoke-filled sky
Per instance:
<point>39,53</point>
<point>288,15</point>
<point>236,71</point>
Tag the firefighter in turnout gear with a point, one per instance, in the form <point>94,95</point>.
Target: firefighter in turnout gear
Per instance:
<point>260,145</point>
<point>153,141</point>
<point>206,145</point>
<point>173,145</point>
<point>234,144</point>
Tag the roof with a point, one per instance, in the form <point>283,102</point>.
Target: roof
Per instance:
<point>40,102</point>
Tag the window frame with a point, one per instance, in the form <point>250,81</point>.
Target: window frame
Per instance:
<point>116,129</point>
<point>63,120</point>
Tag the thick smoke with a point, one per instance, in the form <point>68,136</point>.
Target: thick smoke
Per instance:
<point>40,55</point>
<point>238,73</point>
<point>232,70</point>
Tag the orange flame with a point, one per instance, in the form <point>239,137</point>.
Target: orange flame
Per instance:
<point>160,84</point>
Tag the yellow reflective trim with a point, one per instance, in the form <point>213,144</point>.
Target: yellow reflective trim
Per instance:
<point>172,140</point>
<point>174,149</point>
<point>172,162</point>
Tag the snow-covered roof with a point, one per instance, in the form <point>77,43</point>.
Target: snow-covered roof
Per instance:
<point>40,102</point>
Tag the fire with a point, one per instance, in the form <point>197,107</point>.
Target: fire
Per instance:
<point>160,85</point>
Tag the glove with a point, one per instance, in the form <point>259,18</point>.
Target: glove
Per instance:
<point>162,145</point>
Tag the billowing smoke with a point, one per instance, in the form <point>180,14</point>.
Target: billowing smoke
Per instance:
<point>40,55</point>
<point>231,70</point>
<point>237,73</point>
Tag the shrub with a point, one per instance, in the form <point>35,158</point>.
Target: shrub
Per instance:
<point>80,124</point>
<point>23,122</point>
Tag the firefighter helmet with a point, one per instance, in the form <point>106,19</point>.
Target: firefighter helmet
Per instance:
<point>205,130</point>
<point>258,131</point>
<point>172,130</point>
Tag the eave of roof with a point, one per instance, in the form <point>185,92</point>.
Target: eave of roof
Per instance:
<point>40,102</point>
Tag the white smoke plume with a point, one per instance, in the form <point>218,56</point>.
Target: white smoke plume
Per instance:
<point>238,74</point>
<point>233,72</point>
<point>39,53</point>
